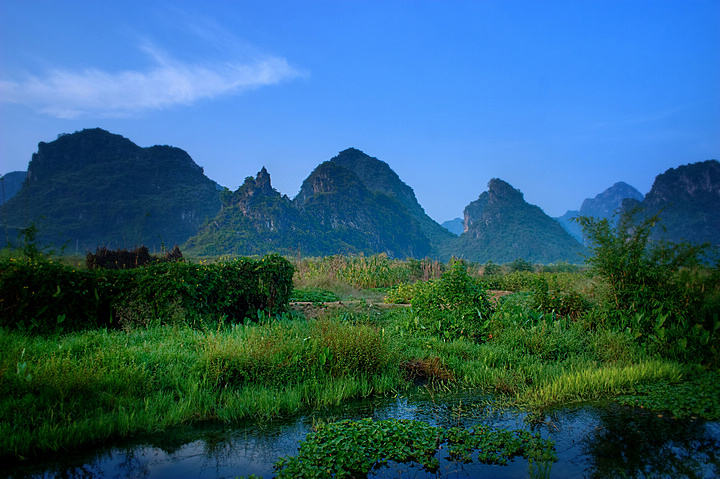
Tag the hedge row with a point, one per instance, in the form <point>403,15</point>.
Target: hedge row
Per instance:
<point>42,296</point>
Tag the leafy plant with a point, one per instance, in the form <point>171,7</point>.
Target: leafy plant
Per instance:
<point>649,285</point>
<point>355,448</point>
<point>454,306</point>
<point>697,397</point>
<point>549,297</point>
<point>314,295</point>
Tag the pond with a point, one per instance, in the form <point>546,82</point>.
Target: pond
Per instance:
<point>598,440</point>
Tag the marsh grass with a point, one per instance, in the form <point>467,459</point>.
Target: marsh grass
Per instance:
<point>540,360</point>
<point>64,391</point>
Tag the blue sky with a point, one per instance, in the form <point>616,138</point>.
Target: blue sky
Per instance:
<point>559,98</point>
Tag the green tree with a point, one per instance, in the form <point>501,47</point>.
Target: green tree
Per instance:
<point>639,271</point>
<point>659,290</point>
<point>491,269</point>
<point>521,265</point>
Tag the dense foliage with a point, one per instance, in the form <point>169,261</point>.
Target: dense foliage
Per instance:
<point>454,306</point>
<point>37,294</point>
<point>534,336</point>
<point>657,289</point>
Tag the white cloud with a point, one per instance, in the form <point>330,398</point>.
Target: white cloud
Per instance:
<point>68,94</point>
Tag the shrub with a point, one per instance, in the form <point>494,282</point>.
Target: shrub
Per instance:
<point>42,296</point>
<point>657,289</point>
<point>549,297</point>
<point>124,259</point>
<point>521,265</point>
<point>454,306</point>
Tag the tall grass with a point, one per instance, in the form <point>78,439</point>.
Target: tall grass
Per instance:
<point>61,392</point>
<point>363,272</point>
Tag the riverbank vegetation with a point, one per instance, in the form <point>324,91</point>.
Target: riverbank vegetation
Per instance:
<point>535,336</point>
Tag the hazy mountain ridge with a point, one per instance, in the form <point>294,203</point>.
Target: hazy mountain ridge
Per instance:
<point>12,183</point>
<point>604,205</point>
<point>455,226</point>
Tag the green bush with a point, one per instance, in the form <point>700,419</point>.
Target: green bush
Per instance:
<point>314,295</point>
<point>660,291</point>
<point>550,297</point>
<point>452,307</point>
<point>41,296</point>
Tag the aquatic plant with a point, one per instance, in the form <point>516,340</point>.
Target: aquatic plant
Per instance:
<point>354,448</point>
<point>698,397</point>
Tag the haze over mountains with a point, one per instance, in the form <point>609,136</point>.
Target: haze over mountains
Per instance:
<point>604,205</point>
<point>93,188</point>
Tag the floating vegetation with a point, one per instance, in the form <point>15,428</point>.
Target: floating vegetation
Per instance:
<point>354,448</point>
<point>698,397</point>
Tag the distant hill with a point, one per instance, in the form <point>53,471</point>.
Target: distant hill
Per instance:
<point>502,227</point>
<point>455,226</point>
<point>334,212</point>
<point>688,201</point>
<point>94,188</point>
<point>604,205</point>
<point>11,184</point>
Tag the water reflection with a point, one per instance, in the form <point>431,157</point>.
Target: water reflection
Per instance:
<point>632,443</point>
<point>591,441</point>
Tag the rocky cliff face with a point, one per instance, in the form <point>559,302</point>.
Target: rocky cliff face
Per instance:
<point>491,207</point>
<point>501,226</point>
<point>256,219</point>
<point>687,199</point>
<point>93,188</point>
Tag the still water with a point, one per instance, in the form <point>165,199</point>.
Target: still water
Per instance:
<point>600,441</point>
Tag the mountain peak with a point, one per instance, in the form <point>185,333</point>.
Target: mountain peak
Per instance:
<point>377,176</point>
<point>499,190</point>
<point>100,188</point>
<point>500,225</point>
<point>688,199</point>
<point>330,177</point>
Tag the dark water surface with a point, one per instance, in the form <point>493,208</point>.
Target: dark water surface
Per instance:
<point>591,441</point>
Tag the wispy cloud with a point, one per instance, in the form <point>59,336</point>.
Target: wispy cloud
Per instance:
<point>169,82</point>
